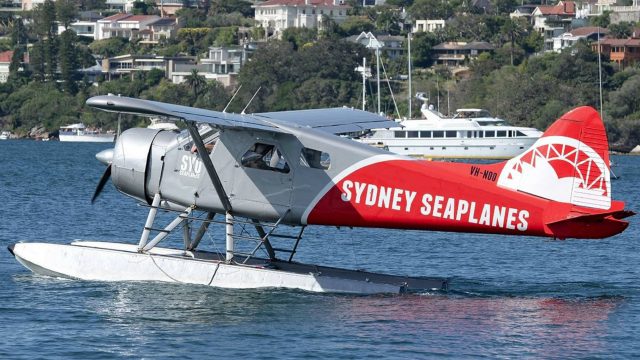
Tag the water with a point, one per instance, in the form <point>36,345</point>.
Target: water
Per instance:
<point>510,297</point>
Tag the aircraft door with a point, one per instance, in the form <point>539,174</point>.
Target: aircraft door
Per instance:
<point>264,174</point>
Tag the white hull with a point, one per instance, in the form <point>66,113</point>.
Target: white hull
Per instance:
<point>103,138</point>
<point>456,149</point>
<point>104,261</point>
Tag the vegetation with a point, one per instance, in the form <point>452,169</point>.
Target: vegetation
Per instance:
<point>307,68</point>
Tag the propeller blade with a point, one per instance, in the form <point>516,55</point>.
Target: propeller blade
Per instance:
<point>103,180</point>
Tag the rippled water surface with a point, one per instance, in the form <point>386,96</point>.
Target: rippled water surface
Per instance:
<point>510,297</point>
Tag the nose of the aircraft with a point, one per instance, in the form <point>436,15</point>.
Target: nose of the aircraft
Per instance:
<point>105,156</point>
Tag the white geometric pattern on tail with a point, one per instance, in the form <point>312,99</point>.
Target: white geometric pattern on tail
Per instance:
<point>542,171</point>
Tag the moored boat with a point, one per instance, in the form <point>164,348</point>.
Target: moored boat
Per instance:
<point>470,133</point>
<point>80,133</point>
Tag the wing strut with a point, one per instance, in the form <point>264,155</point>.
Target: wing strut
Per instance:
<point>208,165</point>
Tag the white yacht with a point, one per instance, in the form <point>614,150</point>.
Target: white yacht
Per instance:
<point>5,135</point>
<point>80,133</point>
<point>469,134</point>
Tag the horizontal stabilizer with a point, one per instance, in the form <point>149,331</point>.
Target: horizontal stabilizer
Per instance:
<point>591,226</point>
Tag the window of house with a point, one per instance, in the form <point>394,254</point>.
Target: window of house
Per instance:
<point>265,157</point>
<point>315,159</point>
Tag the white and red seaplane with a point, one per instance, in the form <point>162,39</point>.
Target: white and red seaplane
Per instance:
<point>274,171</point>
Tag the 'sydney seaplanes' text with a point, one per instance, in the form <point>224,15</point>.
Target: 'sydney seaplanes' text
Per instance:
<point>437,206</point>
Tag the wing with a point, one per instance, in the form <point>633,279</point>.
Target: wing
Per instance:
<point>336,120</point>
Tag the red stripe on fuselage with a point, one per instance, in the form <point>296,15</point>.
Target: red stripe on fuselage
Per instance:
<point>413,194</point>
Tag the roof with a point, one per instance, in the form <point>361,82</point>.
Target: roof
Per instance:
<point>164,22</point>
<point>562,8</point>
<point>589,30</point>
<point>6,56</point>
<point>328,3</point>
<point>116,17</point>
<point>621,42</point>
<point>137,18</point>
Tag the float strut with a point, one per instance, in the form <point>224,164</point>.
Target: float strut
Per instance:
<point>229,237</point>
<point>150,218</point>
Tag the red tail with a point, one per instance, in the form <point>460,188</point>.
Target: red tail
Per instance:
<point>570,164</point>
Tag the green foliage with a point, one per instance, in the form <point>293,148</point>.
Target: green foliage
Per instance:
<point>621,30</point>
<point>193,18</point>
<point>231,6</point>
<point>299,36</point>
<point>66,11</point>
<point>430,9</point>
<point>355,25</point>
<point>602,20</point>
<point>226,36</point>
<point>108,47</point>
<point>68,60</point>
<point>281,71</point>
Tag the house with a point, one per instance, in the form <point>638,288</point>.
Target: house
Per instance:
<point>163,28</point>
<point>123,25</point>
<point>5,62</point>
<point>569,39</point>
<point>524,11</point>
<point>427,25</point>
<point>458,53</point>
<point>127,65</point>
<point>623,52</point>
<point>222,64</point>
<point>82,28</point>
<point>553,20</point>
<point>277,15</point>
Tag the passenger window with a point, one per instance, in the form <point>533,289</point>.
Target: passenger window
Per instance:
<point>413,134</point>
<point>315,159</point>
<point>438,134</point>
<point>265,157</point>
<point>400,134</point>
<point>490,133</point>
<point>502,133</point>
<point>451,134</point>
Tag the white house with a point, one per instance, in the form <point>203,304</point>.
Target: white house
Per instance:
<point>123,25</point>
<point>569,39</point>
<point>277,15</point>
<point>428,25</point>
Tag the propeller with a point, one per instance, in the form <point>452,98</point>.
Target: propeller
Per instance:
<point>105,157</point>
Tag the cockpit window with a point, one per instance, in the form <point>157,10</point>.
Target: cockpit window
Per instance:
<point>208,134</point>
<point>265,157</point>
<point>315,159</point>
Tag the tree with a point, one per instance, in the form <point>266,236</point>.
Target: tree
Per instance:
<point>430,9</point>
<point>602,20</point>
<point>109,47</point>
<point>68,60</point>
<point>513,30</point>
<point>621,30</point>
<point>195,82</point>
<point>626,100</point>
<point>19,36</point>
<point>355,25</point>
<point>66,12</point>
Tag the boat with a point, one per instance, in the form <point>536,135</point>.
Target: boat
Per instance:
<point>79,133</point>
<point>162,123</point>
<point>5,135</point>
<point>470,134</point>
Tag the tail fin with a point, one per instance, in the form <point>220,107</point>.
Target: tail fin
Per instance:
<point>568,164</point>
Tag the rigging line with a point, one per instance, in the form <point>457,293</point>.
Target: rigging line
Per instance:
<point>164,272</point>
<point>390,91</point>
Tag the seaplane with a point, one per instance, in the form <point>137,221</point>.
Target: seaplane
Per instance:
<point>262,178</point>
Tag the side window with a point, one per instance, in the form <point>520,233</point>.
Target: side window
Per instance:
<point>265,157</point>
<point>315,159</point>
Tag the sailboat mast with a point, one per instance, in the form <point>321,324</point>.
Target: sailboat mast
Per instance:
<point>409,64</point>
